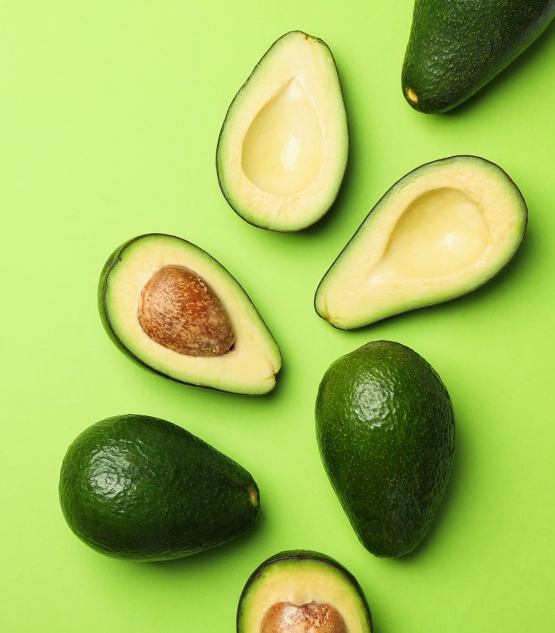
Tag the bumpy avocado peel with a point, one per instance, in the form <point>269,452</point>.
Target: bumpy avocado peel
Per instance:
<point>141,488</point>
<point>386,431</point>
<point>457,47</point>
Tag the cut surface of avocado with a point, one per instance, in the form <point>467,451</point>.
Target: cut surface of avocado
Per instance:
<point>173,308</point>
<point>441,231</point>
<point>302,591</point>
<point>283,147</point>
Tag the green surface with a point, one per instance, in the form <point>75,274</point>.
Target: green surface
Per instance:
<point>110,114</point>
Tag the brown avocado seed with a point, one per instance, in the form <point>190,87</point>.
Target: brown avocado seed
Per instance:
<point>313,617</point>
<point>180,311</point>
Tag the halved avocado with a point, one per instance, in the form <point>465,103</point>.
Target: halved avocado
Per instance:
<point>283,146</point>
<point>302,591</point>
<point>174,309</point>
<point>441,231</point>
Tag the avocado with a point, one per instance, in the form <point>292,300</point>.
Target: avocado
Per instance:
<point>456,48</point>
<point>386,432</point>
<point>141,488</point>
<point>302,591</point>
<point>443,230</point>
<point>282,150</point>
<point>175,310</point>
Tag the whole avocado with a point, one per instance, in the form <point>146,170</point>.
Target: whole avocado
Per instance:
<point>141,488</point>
<point>386,431</point>
<point>457,46</point>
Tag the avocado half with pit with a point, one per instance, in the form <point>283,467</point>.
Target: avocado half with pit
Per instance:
<point>283,146</point>
<point>302,591</point>
<point>443,230</point>
<point>174,309</point>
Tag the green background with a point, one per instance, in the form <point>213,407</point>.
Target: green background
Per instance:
<point>109,118</point>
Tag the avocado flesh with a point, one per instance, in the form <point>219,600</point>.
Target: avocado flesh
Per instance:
<point>441,231</point>
<point>283,147</point>
<point>141,488</point>
<point>248,367</point>
<point>306,582</point>
<point>386,431</point>
<point>455,48</point>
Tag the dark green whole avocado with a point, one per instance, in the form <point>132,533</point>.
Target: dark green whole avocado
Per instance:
<point>386,431</point>
<point>458,46</point>
<point>300,591</point>
<point>141,488</point>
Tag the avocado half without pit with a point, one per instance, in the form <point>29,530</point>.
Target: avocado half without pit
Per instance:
<point>441,231</point>
<point>302,592</point>
<point>283,146</point>
<point>174,309</point>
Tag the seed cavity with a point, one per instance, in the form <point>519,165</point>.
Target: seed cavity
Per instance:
<point>179,310</point>
<point>312,617</point>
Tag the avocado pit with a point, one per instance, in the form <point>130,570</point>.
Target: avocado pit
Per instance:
<point>285,617</point>
<point>180,311</point>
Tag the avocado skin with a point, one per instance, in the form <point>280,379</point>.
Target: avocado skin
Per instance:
<point>102,290</point>
<point>457,46</point>
<point>141,488</point>
<point>386,432</point>
<point>300,555</point>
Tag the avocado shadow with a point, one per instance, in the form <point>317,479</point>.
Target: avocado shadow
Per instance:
<point>176,391</point>
<point>212,555</point>
<point>539,47</point>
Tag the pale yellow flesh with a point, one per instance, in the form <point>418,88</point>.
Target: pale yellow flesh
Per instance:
<point>438,235</point>
<point>251,365</point>
<point>283,148</point>
<point>301,582</point>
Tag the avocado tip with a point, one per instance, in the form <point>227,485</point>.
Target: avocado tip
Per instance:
<point>412,96</point>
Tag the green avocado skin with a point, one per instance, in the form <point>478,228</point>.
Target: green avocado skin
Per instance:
<point>141,488</point>
<point>386,432</point>
<point>457,46</point>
